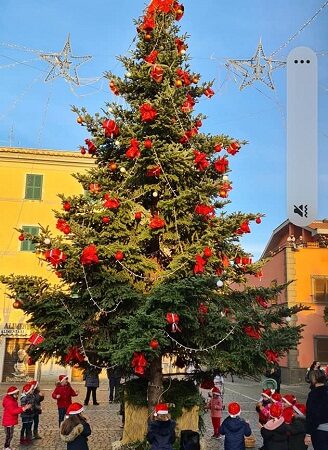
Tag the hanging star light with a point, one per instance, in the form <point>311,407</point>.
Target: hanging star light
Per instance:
<point>258,68</point>
<point>62,63</point>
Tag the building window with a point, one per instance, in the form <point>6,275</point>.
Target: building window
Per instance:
<point>320,289</point>
<point>321,349</point>
<point>33,186</point>
<point>27,245</point>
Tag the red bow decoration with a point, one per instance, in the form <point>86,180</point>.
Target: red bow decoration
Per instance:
<point>94,188</point>
<point>184,77</point>
<point>225,261</point>
<point>245,260</point>
<point>233,148</point>
<point>151,58</point>
<point>181,46</point>
<point>55,256</point>
<point>133,151</point>
<point>173,320</point>
<point>224,189</point>
<point>260,300</point>
<point>207,252</point>
<point>209,92</point>
<point>252,332</point>
<point>111,128</point>
<point>139,363</point>
<point>156,223</point>
<point>202,309</point>
<point>200,160</point>
<point>154,171</point>
<point>188,104</point>
<point>92,149</point>
<point>66,206</point>
<point>111,203</point>
<point>164,6</point>
<point>113,88</point>
<point>271,355</point>
<point>89,255</point>
<point>35,339</point>
<point>259,274</point>
<point>148,113</point>
<point>244,228</point>
<point>221,165</point>
<point>217,147</point>
<point>74,355</point>
<point>204,210</point>
<point>188,135</point>
<point>63,226</point>
<point>199,267</point>
<point>148,23</point>
<point>157,73</point>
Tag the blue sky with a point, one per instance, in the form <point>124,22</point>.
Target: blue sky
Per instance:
<point>36,114</point>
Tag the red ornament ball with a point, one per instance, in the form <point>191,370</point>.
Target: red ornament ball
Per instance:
<point>148,144</point>
<point>67,206</point>
<point>21,237</point>
<point>83,150</point>
<point>154,344</point>
<point>119,255</point>
<point>105,219</point>
<point>17,304</point>
<point>138,216</point>
<point>258,220</point>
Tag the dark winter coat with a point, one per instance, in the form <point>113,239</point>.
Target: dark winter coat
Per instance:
<point>78,437</point>
<point>316,409</point>
<point>66,393</point>
<point>91,377</point>
<point>10,411</point>
<point>274,434</point>
<point>161,434</point>
<point>27,415</point>
<point>235,429</point>
<point>296,434</point>
<point>38,398</point>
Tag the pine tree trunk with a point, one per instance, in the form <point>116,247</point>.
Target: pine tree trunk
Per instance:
<point>155,386</point>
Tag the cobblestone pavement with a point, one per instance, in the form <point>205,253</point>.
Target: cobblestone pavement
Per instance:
<point>105,420</point>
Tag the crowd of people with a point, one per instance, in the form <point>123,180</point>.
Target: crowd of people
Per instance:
<point>285,423</point>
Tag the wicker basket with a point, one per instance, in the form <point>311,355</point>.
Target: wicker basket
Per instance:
<point>250,441</point>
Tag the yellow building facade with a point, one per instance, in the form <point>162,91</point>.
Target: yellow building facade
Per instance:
<point>31,180</point>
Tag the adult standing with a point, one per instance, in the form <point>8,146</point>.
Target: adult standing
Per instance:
<point>114,376</point>
<point>317,413</point>
<point>91,377</point>
<point>274,372</point>
<point>316,365</point>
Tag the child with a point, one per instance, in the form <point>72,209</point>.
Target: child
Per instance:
<point>63,394</point>
<point>235,429</point>
<point>288,401</point>
<point>27,416</point>
<point>38,398</point>
<point>297,428</point>
<point>75,428</point>
<point>263,406</point>
<point>161,431</point>
<point>215,405</point>
<point>274,432</point>
<point>10,413</point>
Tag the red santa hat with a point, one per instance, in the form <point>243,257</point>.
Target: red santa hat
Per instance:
<point>234,409</point>
<point>74,408</point>
<point>62,378</point>
<point>161,408</point>
<point>27,388</point>
<point>275,411</point>
<point>12,390</point>
<point>34,383</point>
<point>288,414</point>
<point>289,399</point>
<point>216,391</point>
<point>276,397</point>
<point>266,394</point>
<point>300,409</point>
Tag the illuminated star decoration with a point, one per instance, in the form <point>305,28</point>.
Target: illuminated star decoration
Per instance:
<point>62,63</point>
<point>258,68</point>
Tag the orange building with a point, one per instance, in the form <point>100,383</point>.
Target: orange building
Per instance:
<point>300,255</point>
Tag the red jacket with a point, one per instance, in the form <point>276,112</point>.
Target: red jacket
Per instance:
<point>66,393</point>
<point>10,411</point>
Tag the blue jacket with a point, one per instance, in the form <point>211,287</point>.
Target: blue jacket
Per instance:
<point>235,429</point>
<point>161,434</point>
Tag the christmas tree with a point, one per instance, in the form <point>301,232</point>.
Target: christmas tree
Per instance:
<point>148,261</point>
